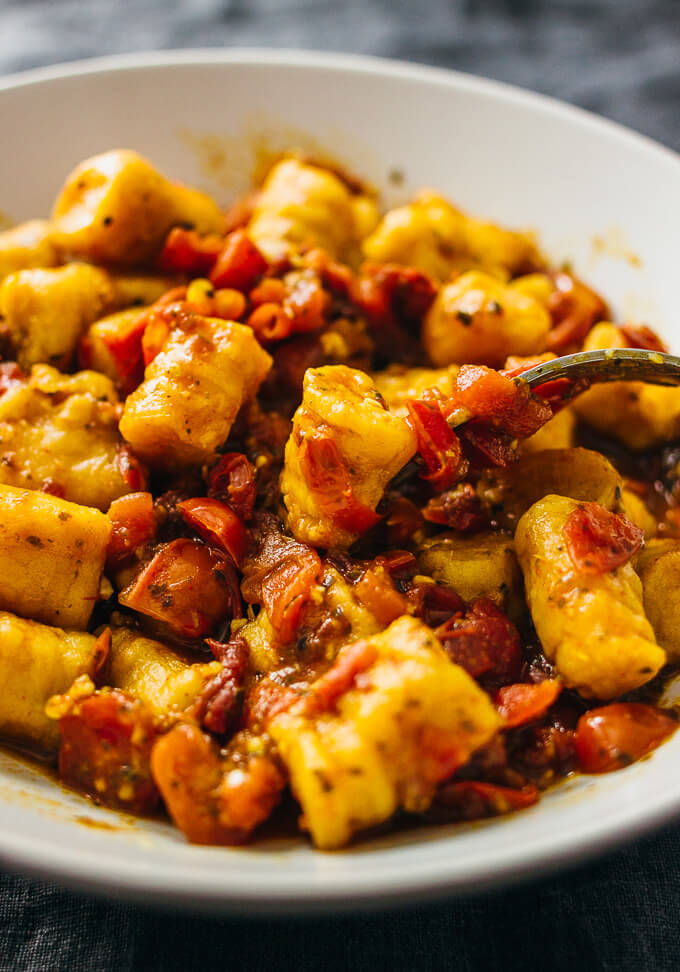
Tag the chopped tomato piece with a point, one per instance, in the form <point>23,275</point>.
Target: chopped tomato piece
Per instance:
<point>336,277</point>
<point>232,480</point>
<point>305,302</point>
<point>403,520</point>
<point>351,661</point>
<point>188,586</point>
<point>326,474</point>
<point>219,705</point>
<point>460,509</point>
<point>485,643</point>
<point>397,563</point>
<point>615,735</point>
<point>599,541</point>
<point>186,251</point>
<point>216,523</point>
<point>131,469</point>
<point>135,345</point>
<point>390,292</point>
<point>436,603</point>
<point>641,336</point>
<point>239,264</point>
<point>522,702</point>
<point>438,444</point>
<point>487,446</point>
<point>106,742</point>
<point>279,574</point>
<point>134,524</point>
<point>376,591</point>
<point>285,591</point>
<point>491,397</point>
<point>471,800</point>
<point>574,308</point>
<point>545,753</point>
<point>155,335</point>
<point>210,801</point>
<point>124,344</point>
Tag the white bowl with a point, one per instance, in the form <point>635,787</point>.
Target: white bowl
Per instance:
<point>602,197</point>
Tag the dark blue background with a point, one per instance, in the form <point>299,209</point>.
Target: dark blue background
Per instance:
<point>617,57</point>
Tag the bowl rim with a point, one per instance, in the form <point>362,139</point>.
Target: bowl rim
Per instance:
<point>39,856</point>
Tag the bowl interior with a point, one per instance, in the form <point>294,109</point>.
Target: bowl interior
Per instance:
<point>601,198</point>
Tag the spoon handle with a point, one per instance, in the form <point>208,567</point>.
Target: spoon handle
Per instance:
<point>611,364</point>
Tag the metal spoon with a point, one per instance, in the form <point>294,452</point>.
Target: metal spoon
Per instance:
<point>613,364</point>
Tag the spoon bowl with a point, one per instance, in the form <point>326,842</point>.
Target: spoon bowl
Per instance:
<point>612,364</point>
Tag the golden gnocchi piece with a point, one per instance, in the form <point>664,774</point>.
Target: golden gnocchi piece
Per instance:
<point>192,391</point>
<point>61,431</point>
<point>558,433</point>
<point>36,662</point>
<point>638,415</point>
<point>582,474</point>
<point>482,565</point>
<point>407,719</point>
<point>342,423</point>
<point>137,290</point>
<point>117,209</point>
<point>46,312</point>
<point>432,235</point>
<point>53,554</point>
<point>307,205</point>
<point>658,566</point>
<point>397,384</point>
<point>593,626</point>
<point>26,246</point>
<point>477,319</point>
<point>154,673</point>
<point>636,510</point>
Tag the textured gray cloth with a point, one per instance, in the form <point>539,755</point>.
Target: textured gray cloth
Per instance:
<point>617,57</point>
<point>619,914</point>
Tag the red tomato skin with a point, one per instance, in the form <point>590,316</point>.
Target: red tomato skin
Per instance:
<point>217,524</point>
<point>574,309</point>
<point>613,736</point>
<point>186,251</point>
<point>134,524</point>
<point>599,541</point>
<point>326,474</point>
<point>106,743</point>
<point>525,702</point>
<point>232,480</point>
<point>188,586</point>
<point>485,643</point>
<point>438,444</point>
<point>376,591</point>
<point>493,398</point>
<point>239,265</point>
<point>642,336</point>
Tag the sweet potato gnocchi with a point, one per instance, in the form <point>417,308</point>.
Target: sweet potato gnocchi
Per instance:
<point>279,525</point>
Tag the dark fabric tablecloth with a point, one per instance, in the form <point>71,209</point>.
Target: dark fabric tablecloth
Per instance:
<point>617,57</point>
